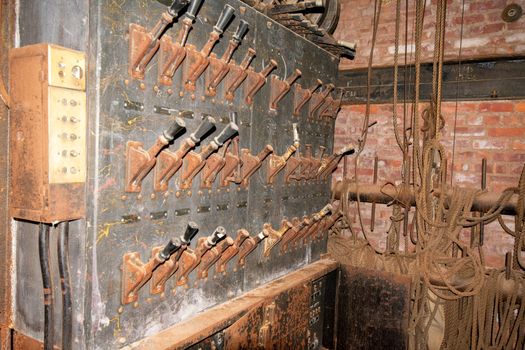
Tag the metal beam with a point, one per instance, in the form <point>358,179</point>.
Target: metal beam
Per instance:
<point>494,79</point>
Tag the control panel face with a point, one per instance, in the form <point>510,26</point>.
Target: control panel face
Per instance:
<point>67,130</point>
<point>145,196</point>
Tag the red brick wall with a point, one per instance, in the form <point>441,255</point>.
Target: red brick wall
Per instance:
<point>485,34</point>
<point>491,129</point>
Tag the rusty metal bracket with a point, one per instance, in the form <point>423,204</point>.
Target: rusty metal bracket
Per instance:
<point>232,251</point>
<point>293,165</point>
<point>173,54</point>
<point>213,165</point>
<point>168,163</point>
<point>213,256</point>
<point>279,88</point>
<point>250,163</point>
<point>277,163</point>
<point>164,272</point>
<point>143,44</point>
<point>295,230</point>
<point>231,172</point>
<point>193,164</point>
<point>275,236</point>
<point>317,100</point>
<point>302,96</point>
<point>139,162</point>
<point>237,74</point>
<point>135,274</point>
<point>255,81</point>
<point>249,246</point>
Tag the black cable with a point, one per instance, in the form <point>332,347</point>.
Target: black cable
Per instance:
<point>43,251</point>
<point>65,283</point>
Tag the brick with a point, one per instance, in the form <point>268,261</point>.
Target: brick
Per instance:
<point>519,107</point>
<point>496,107</point>
<point>507,132</point>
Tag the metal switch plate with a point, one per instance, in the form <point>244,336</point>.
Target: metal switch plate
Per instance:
<point>67,130</point>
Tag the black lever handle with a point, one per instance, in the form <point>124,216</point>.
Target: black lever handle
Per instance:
<point>175,129</point>
<point>192,10</point>
<point>227,133</point>
<point>216,236</point>
<point>191,231</point>
<point>242,29</point>
<point>170,248</point>
<point>224,18</point>
<point>176,6</point>
<point>207,124</point>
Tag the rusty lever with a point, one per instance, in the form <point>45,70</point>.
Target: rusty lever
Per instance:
<point>190,259</point>
<point>199,59</point>
<point>220,67</point>
<point>172,54</point>
<point>196,161</point>
<point>135,273</point>
<point>277,163</point>
<point>143,45</point>
<point>169,163</point>
<point>139,162</point>
<point>162,273</point>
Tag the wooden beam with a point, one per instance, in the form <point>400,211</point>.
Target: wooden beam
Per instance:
<point>494,79</point>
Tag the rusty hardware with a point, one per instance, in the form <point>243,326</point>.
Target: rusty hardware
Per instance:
<point>277,163</point>
<point>331,106</point>
<point>212,256</point>
<point>168,163</point>
<point>47,133</point>
<point>255,81</point>
<point>231,172</point>
<point>299,168</point>
<point>329,163</point>
<point>237,74</point>
<point>135,273</point>
<point>292,166</point>
<point>232,250</point>
<point>249,246</point>
<point>275,236</point>
<point>216,162</point>
<point>331,220</point>
<point>190,259</point>
<point>307,163</point>
<point>302,96</point>
<point>265,332</point>
<point>139,161</point>
<point>212,166</point>
<point>219,68</point>
<point>311,226</point>
<point>318,223</point>
<point>198,61</point>
<point>279,88</point>
<point>318,98</point>
<point>163,272</point>
<point>373,212</point>
<point>251,163</point>
<point>172,54</point>
<point>316,163</point>
<point>195,161</point>
<point>143,44</point>
<point>295,230</point>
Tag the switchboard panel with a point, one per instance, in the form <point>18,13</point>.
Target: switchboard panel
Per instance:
<point>209,149</point>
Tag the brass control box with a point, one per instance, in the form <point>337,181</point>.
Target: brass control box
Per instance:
<point>47,133</point>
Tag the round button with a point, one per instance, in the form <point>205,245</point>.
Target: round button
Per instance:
<point>77,72</point>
